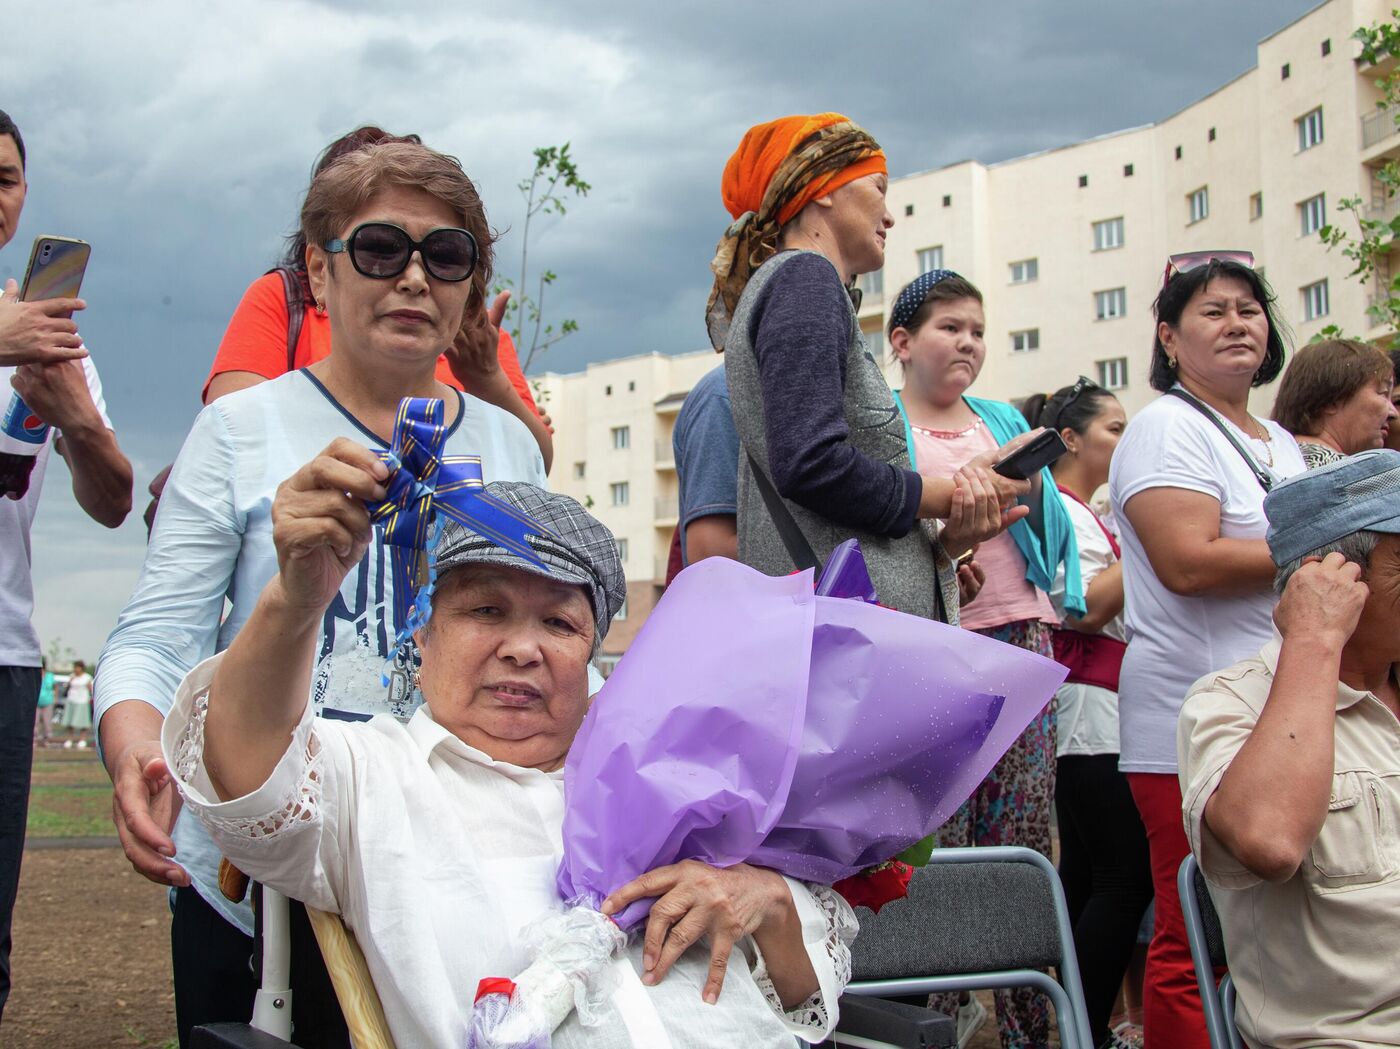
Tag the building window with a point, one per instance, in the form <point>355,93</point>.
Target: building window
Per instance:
<point>1309,129</point>
<point>631,386</point>
<point>1198,205</point>
<point>875,342</point>
<point>580,469</point>
<point>1108,234</point>
<point>607,391</point>
<point>1127,171</point>
<point>1025,271</point>
<point>1178,152</point>
<point>621,493</point>
<point>947,200</point>
<point>1312,214</point>
<point>930,259</point>
<point>1315,301</point>
<point>1111,303</point>
<point>1083,181</point>
<point>1326,47</point>
<point>1210,135</point>
<point>622,550</point>
<point>1113,374</point>
<point>1283,72</point>
<point>621,612</point>
<point>1025,341</point>
<point>908,210</point>
<point>871,283</point>
<point>1256,206</point>
<point>622,437</point>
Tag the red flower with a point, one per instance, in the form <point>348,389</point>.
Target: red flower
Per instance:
<point>877,886</point>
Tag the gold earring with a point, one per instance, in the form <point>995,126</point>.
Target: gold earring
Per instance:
<point>321,308</point>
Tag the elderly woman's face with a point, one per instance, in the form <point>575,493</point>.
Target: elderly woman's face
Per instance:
<point>1364,419</point>
<point>411,318</point>
<point>505,662</point>
<point>1222,336</point>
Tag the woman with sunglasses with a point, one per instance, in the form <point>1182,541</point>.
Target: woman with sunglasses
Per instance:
<point>936,333</point>
<point>1187,487</point>
<point>481,359</point>
<point>1103,847</point>
<point>399,250</point>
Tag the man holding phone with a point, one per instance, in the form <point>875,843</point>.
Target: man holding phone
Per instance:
<point>43,360</point>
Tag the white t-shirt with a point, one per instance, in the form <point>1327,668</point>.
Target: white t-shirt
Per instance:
<point>212,541</point>
<point>1173,640</point>
<point>1086,716</point>
<point>79,690</point>
<point>19,644</point>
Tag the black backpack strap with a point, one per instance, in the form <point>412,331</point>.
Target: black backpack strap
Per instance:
<point>1261,475</point>
<point>296,310</point>
<point>801,552</point>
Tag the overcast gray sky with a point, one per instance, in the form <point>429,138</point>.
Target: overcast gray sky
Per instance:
<point>177,138</point>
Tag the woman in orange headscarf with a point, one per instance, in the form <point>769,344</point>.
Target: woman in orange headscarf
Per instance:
<point>823,455</point>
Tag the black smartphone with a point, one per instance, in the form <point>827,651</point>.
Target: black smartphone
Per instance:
<point>1032,457</point>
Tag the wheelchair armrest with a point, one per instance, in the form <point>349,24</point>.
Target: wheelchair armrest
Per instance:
<point>235,1036</point>
<point>902,1026</point>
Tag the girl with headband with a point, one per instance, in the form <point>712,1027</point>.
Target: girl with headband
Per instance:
<point>936,333</point>
<point>823,457</point>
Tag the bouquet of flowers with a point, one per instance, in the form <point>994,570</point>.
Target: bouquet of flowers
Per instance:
<point>762,720</point>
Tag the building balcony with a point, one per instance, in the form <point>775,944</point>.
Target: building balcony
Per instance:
<point>1379,141</point>
<point>665,455</point>
<point>671,403</point>
<point>1384,211</point>
<point>668,511</point>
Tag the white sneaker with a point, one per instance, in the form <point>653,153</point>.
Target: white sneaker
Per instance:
<point>972,1014</point>
<point>67,744</point>
<point>82,744</point>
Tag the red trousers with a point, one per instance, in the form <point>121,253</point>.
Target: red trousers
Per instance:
<point>1171,999</point>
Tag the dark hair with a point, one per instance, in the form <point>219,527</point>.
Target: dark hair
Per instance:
<point>950,289</point>
<point>360,138</point>
<point>1171,304</point>
<point>1063,408</point>
<point>1325,374</point>
<point>1395,363</point>
<point>7,127</point>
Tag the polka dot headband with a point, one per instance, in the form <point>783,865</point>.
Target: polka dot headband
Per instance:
<point>912,297</point>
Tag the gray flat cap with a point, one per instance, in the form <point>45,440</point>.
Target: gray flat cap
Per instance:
<point>1316,508</point>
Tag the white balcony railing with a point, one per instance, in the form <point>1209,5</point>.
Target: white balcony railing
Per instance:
<point>1377,126</point>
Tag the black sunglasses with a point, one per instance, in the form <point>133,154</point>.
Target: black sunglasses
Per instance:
<point>1075,392</point>
<point>382,250</point>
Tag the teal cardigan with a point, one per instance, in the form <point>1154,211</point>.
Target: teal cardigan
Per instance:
<point>1043,553</point>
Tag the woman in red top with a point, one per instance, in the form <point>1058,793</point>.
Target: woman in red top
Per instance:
<point>482,360</point>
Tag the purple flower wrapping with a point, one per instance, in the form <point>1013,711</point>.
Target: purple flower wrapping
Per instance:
<point>753,720</point>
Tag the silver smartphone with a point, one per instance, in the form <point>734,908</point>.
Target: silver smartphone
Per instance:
<point>56,268</point>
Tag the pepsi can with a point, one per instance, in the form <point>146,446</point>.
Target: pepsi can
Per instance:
<point>22,424</point>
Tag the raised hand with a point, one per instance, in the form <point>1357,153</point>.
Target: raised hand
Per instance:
<point>473,355</point>
<point>39,332</point>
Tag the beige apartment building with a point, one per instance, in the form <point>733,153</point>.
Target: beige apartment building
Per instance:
<point>1068,247</point>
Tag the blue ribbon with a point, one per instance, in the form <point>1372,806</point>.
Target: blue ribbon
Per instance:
<point>424,488</point>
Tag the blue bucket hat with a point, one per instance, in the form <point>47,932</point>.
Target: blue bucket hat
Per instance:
<point>1318,507</point>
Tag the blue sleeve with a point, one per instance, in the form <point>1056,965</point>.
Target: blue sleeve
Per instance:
<point>801,333</point>
<point>706,445</point>
<point>171,622</point>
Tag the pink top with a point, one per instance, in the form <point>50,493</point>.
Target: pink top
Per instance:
<point>1007,596</point>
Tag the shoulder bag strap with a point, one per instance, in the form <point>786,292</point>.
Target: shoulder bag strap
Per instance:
<point>1261,475</point>
<point>296,311</point>
<point>801,552</point>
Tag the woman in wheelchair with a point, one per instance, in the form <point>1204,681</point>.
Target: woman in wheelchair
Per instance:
<point>437,840</point>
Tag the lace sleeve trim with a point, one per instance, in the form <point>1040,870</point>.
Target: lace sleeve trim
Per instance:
<point>300,803</point>
<point>841,929</point>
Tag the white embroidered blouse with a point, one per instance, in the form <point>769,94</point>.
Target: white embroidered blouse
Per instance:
<point>436,856</point>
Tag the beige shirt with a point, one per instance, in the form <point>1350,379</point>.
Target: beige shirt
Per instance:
<point>1316,959</point>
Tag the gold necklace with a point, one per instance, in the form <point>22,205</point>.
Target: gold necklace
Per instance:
<point>1263,439</point>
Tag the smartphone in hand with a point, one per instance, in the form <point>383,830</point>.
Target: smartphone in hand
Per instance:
<point>56,268</point>
<point>1032,457</point>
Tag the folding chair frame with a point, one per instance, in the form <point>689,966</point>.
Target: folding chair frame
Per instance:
<point>1067,994</point>
<point>1218,1003</point>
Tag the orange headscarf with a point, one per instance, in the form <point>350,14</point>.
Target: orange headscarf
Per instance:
<point>779,168</point>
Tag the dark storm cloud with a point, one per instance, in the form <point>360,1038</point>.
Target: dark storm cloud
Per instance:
<point>177,138</point>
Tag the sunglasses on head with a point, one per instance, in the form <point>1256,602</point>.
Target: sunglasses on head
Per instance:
<point>382,250</point>
<point>1190,260</point>
<point>1075,392</point>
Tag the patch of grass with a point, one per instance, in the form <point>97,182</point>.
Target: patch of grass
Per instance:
<point>70,811</point>
<point>141,1040</point>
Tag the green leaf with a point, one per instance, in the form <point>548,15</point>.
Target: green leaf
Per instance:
<point>918,854</point>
